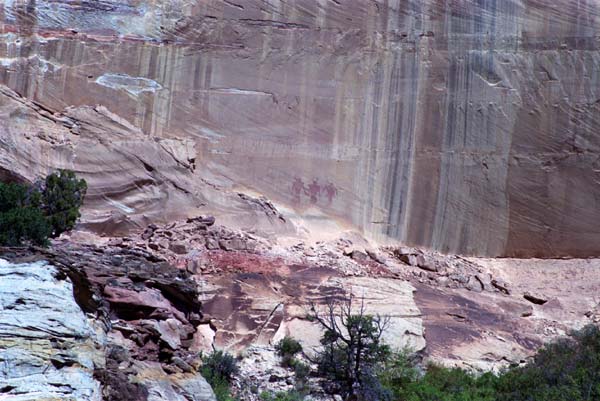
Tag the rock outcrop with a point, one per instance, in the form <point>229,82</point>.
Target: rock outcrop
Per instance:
<point>96,325</point>
<point>453,127</point>
<point>463,126</point>
<point>49,349</point>
<point>470,312</point>
<point>134,312</point>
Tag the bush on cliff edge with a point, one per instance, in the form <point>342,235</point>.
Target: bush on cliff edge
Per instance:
<point>21,217</point>
<point>62,196</point>
<point>34,213</point>
<point>218,368</point>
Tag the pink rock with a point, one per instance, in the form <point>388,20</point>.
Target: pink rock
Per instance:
<point>203,338</point>
<point>146,298</point>
<point>170,331</point>
<point>179,248</point>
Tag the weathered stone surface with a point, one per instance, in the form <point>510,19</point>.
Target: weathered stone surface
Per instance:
<point>48,349</point>
<point>501,285</point>
<point>132,345</point>
<point>410,259</point>
<point>428,264</point>
<point>179,248</point>
<point>394,299</point>
<point>260,299</point>
<point>203,338</point>
<point>464,126</point>
<point>536,299</point>
<point>359,256</point>
<point>151,309</point>
<point>177,387</point>
<point>170,332</point>
<point>487,328</point>
<point>261,370</point>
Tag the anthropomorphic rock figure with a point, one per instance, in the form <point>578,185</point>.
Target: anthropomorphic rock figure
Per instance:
<point>298,188</point>
<point>314,190</point>
<point>330,191</point>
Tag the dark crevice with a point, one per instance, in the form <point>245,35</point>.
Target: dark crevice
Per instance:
<point>6,389</point>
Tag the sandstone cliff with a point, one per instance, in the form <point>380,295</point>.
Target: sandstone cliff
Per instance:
<point>465,126</point>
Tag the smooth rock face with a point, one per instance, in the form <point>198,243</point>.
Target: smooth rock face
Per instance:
<point>264,309</point>
<point>47,347</point>
<point>465,126</point>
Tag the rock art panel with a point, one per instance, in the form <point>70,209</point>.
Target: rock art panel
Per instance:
<point>467,127</point>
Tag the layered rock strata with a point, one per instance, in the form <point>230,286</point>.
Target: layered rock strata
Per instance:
<point>463,126</point>
<point>96,325</point>
<point>142,297</point>
<point>472,312</point>
<point>49,348</point>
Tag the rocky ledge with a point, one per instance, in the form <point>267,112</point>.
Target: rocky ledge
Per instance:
<point>472,312</point>
<point>133,313</point>
<point>90,324</point>
<point>464,126</point>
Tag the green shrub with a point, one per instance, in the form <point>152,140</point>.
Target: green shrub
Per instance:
<point>353,352</point>
<point>398,372</point>
<point>21,218</point>
<point>23,224</point>
<point>564,370</point>
<point>28,214</point>
<point>218,368</point>
<point>222,390</point>
<point>287,348</point>
<point>282,396</point>
<point>62,197</point>
<point>301,370</point>
<point>15,196</point>
<point>447,384</point>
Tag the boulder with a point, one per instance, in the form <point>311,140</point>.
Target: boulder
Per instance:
<point>170,331</point>
<point>235,244</point>
<point>535,298</point>
<point>376,256</point>
<point>428,263</point>
<point>409,258</point>
<point>212,244</point>
<point>148,232</point>
<point>474,284</point>
<point>359,256</point>
<point>203,338</point>
<point>501,285</point>
<point>179,247</point>
<point>206,221</point>
<point>485,280</point>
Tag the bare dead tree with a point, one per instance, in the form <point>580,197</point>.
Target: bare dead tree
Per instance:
<point>352,348</point>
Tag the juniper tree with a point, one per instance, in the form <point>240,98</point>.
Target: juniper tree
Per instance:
<point>352,349</point>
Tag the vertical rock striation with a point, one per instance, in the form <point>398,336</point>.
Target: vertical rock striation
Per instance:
<point>465,126</point>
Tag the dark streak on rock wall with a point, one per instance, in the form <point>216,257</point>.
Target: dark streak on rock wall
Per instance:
<point>468,126</point>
